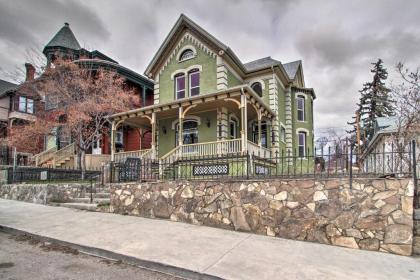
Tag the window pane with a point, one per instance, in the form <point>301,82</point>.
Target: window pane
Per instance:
<point>180,87</point>
<point>30,107</point>
<point>301,151</point>
<point>195,91</point>
<point>22,104</point>
<point>195,79</point>
<point>180,83</point>
<point>300,115</point>
<point>301,139</point>
<point>300,103</point>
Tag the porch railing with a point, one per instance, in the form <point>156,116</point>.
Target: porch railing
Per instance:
<point>44,156</point>
<point>258,151</point>
<point>212,148</point>
<point>65,153</point>
<point>122,156</point>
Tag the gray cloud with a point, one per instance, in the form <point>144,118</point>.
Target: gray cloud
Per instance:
<point>337,40</point>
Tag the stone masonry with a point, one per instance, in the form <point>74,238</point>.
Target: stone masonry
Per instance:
<point>376,214</point>
<point>43,193</point>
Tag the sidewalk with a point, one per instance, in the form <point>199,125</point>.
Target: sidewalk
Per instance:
<point>201,252</point>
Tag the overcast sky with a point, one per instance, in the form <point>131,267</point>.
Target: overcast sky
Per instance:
<point>337,40</point>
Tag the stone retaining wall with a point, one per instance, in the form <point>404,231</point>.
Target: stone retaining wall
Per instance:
<point>43,193</point>
<point>376,214</point>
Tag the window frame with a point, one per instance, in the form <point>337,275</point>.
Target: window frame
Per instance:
<point>300,145</point>
<point>282,134</point>
<point>254,84</point>
<point>235,130</point>
<point>26,101</point>
<point>190,73</point>
<point>181,58</point>
<point>181,75</point>
<point>303,100</point>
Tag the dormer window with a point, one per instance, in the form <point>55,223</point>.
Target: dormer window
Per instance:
<point>257,87</point>
<point>187,54</point>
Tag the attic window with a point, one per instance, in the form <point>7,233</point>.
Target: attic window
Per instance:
<point>187,54</point>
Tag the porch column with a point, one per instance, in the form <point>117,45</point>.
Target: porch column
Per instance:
<point>153,123</point>
<point>113,132</point>
<point>143,96</point>
<point>244,117</point>
<point>259,127</point>
<point>180,126</point>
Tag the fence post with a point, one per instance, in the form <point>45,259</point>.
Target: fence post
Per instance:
<point>413,151</point>
<point>247,165</point>
<point>91,189</point>
<point>351,167</point>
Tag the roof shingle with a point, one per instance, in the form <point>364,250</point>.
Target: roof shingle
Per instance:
<point>6,86</point>
<point>64,38</point>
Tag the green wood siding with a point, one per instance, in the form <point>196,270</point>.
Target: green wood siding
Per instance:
<point>207,76</point>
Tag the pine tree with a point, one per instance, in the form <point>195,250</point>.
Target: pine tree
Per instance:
<point>374,101</point>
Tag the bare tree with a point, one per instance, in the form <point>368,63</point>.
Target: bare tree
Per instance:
<point>78,99</point>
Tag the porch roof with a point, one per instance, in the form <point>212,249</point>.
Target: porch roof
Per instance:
<point>219,95</point>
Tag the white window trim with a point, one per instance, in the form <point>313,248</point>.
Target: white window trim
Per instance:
<point>189,82</point>
<point>176,87</point>
<point>304,108</point>
<point>187,118</point>
<point>186,70</point>
<point>186,47</point>
<point>305,156</point>
<point>282,126</point>
<point>261,81</point>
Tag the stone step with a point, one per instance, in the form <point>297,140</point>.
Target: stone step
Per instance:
<point>80,206</point>
<point>416,245</point>
<point>99,201</point>
<point>98,195</point>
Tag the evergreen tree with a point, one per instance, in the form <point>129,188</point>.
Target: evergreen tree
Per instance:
<point>374,101</point>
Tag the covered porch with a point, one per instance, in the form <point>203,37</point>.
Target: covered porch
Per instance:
<point>232,121</point>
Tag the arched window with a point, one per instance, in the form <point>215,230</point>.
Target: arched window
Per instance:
<point>257,87</point>
<point>194,80</point>
<point>187,54</point>
<point>189,132</point>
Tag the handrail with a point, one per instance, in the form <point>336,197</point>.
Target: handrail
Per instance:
<point>65,152</point>
<point>44,156</point>
<point>255,149</point>
<point>138,153</point>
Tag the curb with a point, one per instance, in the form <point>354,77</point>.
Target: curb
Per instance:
<point>106,254</point>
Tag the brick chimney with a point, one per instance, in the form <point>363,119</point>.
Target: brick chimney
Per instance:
<point>30,72</point>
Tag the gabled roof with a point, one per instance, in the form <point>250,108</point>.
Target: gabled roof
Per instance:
<point>261,64</point>
<point>292,68</point>
<point>6,87</point>
<point>287,72</point>
<point>64,38</point>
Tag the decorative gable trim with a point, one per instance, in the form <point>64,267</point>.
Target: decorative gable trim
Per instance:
<point>192,40</point>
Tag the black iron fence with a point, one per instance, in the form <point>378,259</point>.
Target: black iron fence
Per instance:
<point>21,174</point>
<point>328,163</point>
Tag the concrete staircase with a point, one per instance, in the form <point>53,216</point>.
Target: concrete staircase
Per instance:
<point>100,197</point>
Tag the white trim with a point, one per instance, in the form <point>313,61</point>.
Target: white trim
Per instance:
<point>189,82</point>
<point>301,129</point>
<point>176,86</point>
<point>187,118</point>
<point>230,69</point>
<point>261,81</point>
<point>184,48</point>
<point>193,40</point>
<point>186,70</point>
<point>297,98</point>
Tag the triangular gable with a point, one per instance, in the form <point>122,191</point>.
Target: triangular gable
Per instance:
<point>183,28</point>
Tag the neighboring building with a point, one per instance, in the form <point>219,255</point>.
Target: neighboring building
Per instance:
<point>207,102</point>
<point>17,107</point>
<point>384,153</point>
<point>58,148</point>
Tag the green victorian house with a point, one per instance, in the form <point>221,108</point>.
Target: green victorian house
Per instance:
<point>208,103</point>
